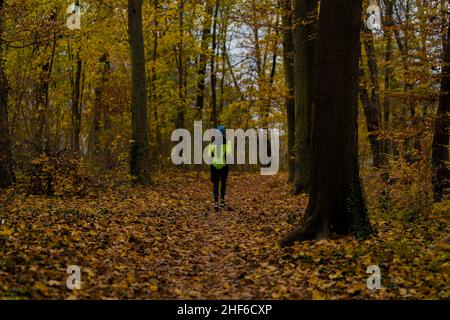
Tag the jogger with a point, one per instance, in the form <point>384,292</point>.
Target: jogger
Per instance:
<point>219,169</point>
<point>219,176</point>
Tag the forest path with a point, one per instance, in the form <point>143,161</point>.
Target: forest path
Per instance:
<point>149,243</point>
<point>166,242</point>
<point>224,254</point>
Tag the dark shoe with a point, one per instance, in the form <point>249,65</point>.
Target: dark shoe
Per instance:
<point>216,206</point>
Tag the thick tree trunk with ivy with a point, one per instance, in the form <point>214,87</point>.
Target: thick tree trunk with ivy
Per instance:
<point>288,59</point>
<point>6,164</point>
<point>440,157</point>
<point>337,203</point>
<point>140,150</point>
<point>305,51</point>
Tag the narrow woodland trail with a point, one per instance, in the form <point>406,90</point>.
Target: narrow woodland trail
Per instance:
<point>166,242</point>
<point>216,255</point>
<point>229,246</point>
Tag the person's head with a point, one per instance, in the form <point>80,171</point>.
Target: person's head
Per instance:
<point>222,129</point>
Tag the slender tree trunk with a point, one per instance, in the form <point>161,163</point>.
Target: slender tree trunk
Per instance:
<point>107,155</point>
<point>6,163</point>
<point>76,107</point>
<point>387,94</point>
<point>206,35</point>
<point>273,71</point>
<point>288,58</point>
<point>41,128</point>
<point>337,204</point>
<point>305,44</point>
<point>224,55</point>
<point>40,94</point>
<point>440,148</point>
<point>140,153</point>
<point>372,120</point>
<point>408,101</point>
<point>76,100</point>
<point>372,103</point>
<point>94,139</point>
<point>389,117</point>
<point>214,115</point>
<point>47,90</point>
<point>181,67</point>
<point>153,102</point>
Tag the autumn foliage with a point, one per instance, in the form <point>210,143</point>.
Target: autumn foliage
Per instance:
<point>86,176</point>
<point>164,242</point>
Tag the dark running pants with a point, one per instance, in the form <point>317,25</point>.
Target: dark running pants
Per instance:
<point>219,176</point>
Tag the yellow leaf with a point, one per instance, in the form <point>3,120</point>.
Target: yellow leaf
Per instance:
<point>154,287</point>
<point>6,232</point>
<point>356,288</point>
<point>178,292</point>
<point>276,295</point>
<point>317,295</point>
<point>40,286</point>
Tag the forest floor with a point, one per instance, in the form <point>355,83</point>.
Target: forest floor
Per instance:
<point>166,242</point>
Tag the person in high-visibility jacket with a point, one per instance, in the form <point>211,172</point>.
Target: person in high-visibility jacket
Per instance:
<point>219,168</point>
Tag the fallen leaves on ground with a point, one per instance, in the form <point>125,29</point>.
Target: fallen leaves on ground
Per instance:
<point>166,242</point>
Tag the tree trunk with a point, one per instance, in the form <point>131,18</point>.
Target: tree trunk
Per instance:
<point>181,68</point>
<point>76,107</point>
<point>408,85</point>
<point>371,103</point>
<point>47,89</point>
<point>153,97</point>
<point>140,153</point>
<point>440,157</point>
<point>76,100</point>
<point>206,34</point>
<point>305,44</point>
<point>214,115</point>
<point>288,58</point>
<point>387,88</point>
<point>94,139</point>
<point>107,154</point>
<point>372,120</point>
<point>337,204</point>
<point>6,164</point>
<point>224,56</point>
